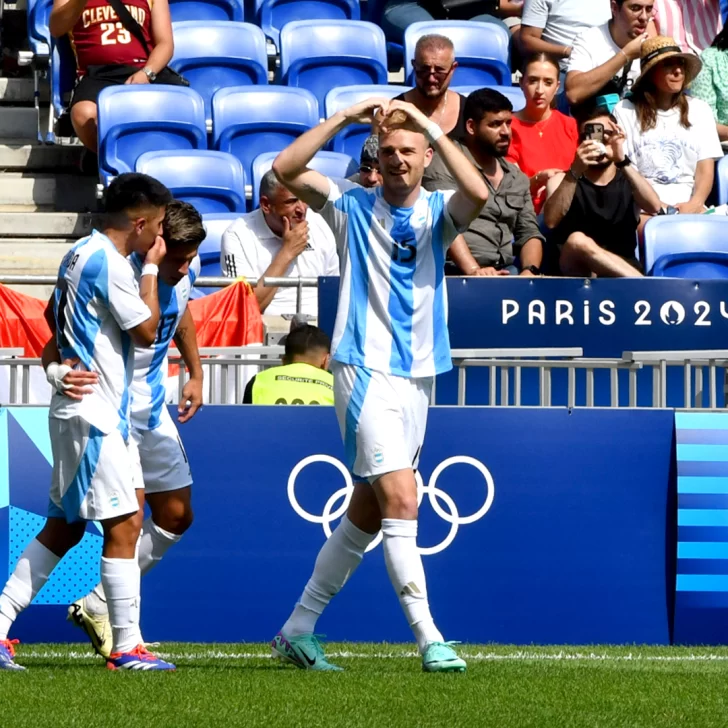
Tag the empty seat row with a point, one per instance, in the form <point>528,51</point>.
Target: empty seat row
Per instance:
<point>246,121</point>
<point>214,182</point>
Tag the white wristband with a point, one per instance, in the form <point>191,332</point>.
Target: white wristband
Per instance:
<point>433,132</point>
<point>150,269</point>
<point>55,373</point>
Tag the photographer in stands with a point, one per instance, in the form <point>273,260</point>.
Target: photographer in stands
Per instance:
<point>594,207</point>
<point>303,378</point>
<point>110,51</point>
<point>506,226</point>
<point>281,239</point>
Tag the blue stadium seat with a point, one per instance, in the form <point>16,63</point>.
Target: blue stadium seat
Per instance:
<point>206,10</point>
<point>211,181</point>
<point>350,140</point>
<point>721,179</point>
<point>250,120</point>
<point>321,55</point>
<point>481,50</point>
<point>697,265</point>
<point>668,234</point>
<point>215,225</point>
<point>332,164</point>
<point>62,79</point>
<point>137,119</point>
<point>513,93</point>
<point>395,50</point>
<point>39,36</point>
<point>274,14</point>
<point>219,54</point>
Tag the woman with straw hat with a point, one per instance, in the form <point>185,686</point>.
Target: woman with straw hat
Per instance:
<point>671,137</point>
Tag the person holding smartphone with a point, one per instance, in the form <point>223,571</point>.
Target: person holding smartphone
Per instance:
<point>593,208</point>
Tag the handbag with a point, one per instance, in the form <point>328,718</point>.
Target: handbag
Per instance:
<point>167,75</point>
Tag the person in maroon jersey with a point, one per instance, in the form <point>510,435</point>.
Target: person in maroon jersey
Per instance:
<point>107,54</point>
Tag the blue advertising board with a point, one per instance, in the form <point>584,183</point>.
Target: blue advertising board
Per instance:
<point>605,317</point>
<point>537,526</point>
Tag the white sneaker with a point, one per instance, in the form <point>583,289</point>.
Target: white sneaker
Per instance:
<point>96,626</point>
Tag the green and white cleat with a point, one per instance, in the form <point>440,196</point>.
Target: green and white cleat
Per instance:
<point>304,651</point>
<point>440,657</point>
<point>96,626</point>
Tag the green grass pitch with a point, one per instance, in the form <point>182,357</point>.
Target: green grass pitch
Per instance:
<point>383,686</point>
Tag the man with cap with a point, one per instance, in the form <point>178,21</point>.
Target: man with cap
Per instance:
<point>368,174</point>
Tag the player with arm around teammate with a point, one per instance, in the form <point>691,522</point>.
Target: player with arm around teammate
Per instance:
<point>100,313</point>
<point>165,468</point>
<point>390,340</point>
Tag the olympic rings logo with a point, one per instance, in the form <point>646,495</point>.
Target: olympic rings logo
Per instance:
<point>332,512</point>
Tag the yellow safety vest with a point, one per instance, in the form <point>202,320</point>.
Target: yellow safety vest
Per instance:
<point>294,384</point>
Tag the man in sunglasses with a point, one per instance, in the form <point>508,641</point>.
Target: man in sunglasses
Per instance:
<point>434,64</point>
<point>369,174</point>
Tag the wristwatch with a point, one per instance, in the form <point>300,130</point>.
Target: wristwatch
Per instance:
<point>533,269</point>
<point>151,75</point>
<point>624,163</point>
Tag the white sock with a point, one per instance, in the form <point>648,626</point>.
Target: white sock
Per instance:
<point>121,579</point>
<point>31,573</point>
<point>153,544</point>
<point>336,562</point>
<point>407,575</point>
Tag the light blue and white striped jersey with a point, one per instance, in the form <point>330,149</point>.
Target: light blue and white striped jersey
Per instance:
<point>150,364</point>
<point>392,314</point>
<point>96,301</point>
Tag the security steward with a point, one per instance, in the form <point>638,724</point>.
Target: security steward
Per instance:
<point>303,378</point>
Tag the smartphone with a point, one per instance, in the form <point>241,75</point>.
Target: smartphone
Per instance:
<point>595,132</point>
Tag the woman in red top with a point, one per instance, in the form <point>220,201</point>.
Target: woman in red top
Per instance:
<point>544,140</point>
<point>107,54</point>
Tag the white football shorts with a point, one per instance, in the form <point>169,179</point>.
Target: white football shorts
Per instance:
<point>94,474</point>
<point>164,461</point>
<point>382,419</point>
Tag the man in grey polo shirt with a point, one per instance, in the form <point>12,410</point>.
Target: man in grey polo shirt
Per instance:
<point>505,238</point>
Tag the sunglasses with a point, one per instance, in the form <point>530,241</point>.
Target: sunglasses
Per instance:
<point>427,71</point>
<point>366,169</point>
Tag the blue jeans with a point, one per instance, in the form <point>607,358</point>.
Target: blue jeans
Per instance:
<point>398,15</point>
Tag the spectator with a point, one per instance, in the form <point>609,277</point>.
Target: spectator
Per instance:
<point>550,26</point>
<point>368,174</point>
<point>108,54</point>
<point>671,137</point>
<point>544,139</point>
<point>434,64</point>
<point>604,59</point>
<point>303,378</point>
<point>593,208</point>
<point>283,238</point>
<point>398,14</point>
<point>506,226</point>
<point>692,23</point>
<point>711,84</point>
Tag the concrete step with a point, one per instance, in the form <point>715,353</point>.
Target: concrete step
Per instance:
<point>19,154</point>
<point>68,225</point>
<point>40,256</point>
<point>19,123</point>
<point>20,91</point>
<point>64,192</point>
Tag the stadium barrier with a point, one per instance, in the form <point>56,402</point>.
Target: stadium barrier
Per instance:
<point>538,526</point>
<point>228,369</point>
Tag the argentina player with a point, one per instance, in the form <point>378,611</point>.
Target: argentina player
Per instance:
<point>165,468</point>
<point>99,313</point>
<point>390,340</point>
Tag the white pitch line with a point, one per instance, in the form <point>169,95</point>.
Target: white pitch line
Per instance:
<point>478,656</point>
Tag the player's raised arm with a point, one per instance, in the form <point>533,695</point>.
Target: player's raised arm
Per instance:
<point>290,166</point>
<point>472,191</point>
<point>144,333</point>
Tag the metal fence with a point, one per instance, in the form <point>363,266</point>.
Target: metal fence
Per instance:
<point>228,369</point>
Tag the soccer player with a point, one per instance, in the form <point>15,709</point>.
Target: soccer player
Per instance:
<point>99,311</point>
<point>390,340</point>
<point>165,468</point>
